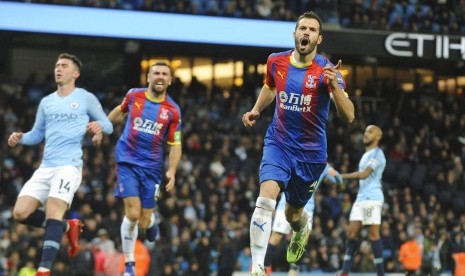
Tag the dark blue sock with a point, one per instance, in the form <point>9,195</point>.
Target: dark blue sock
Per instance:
<point>36,219</point>
<point>65,225</point>
<point>53,235</point>
<point>270,250</point>
<point>152,232</point>
<point>351,249</point>
<point>377,248</point>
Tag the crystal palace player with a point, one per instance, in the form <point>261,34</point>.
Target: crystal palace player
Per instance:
<point>153,117</point>
<point>294,154</point>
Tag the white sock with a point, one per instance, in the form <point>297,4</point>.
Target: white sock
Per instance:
<point>260,230</point>
<point>129,232</point>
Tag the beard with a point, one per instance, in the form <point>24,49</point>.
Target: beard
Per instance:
<point>368,143</point>
<point>309,49</point>
<point>157,91</point>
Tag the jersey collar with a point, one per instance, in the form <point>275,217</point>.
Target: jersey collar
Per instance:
<point>153,99</point>
<point>298,64</point>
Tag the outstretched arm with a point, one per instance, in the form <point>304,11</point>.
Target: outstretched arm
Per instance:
<point>266,97</point>
<point>358,174</point>
<point>334,176</point>
<point>14,139</point>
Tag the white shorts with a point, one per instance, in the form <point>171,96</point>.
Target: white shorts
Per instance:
<point>58,182</point>
<point>280,224</point>
<point>368,212</point>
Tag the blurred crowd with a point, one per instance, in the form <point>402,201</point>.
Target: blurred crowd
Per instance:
<point>205,222</point>
<point>436,16</point>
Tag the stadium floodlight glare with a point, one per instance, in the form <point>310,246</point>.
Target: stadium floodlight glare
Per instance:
<point>66,20</point>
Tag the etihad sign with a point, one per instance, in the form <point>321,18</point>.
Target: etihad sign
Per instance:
<point>439,46</point>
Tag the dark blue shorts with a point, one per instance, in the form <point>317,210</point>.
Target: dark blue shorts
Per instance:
<point>297,179</point>
<point>137,181</point>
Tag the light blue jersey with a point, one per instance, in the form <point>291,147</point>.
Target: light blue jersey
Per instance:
<point>370,187</point>
<point>62,121</point>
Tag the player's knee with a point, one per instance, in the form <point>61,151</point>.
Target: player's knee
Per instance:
<point>275,238</point>
<point>269,189</point>
<point>20,214</point>
<point>133,214</point>
<point>352,235</point>
<point>144,222</point>
<point>373,236</point>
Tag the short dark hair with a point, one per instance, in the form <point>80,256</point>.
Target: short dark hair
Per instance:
<point>73,58</point>
<point>312,15</point>
<point>163,63</point>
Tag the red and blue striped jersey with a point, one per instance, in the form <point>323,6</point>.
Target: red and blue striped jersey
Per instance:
<point>148,125</point>
<point>302,106</point>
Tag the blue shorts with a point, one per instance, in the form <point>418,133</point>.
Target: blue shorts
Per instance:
<point>297,179</point>
<point>137,181</point>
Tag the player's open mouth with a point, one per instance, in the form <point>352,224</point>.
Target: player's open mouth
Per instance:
<point>304,42</point>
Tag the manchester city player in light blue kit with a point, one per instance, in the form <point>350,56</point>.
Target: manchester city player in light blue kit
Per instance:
<point>62,120</point>
<point>367,208</point>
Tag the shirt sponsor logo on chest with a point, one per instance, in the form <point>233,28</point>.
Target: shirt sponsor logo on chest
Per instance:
<point>294,101</point>
<point>147,126</point>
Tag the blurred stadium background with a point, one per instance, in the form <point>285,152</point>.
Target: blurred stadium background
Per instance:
<point>404,65</point>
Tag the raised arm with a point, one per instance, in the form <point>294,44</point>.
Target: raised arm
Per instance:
<point>345,107</point>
